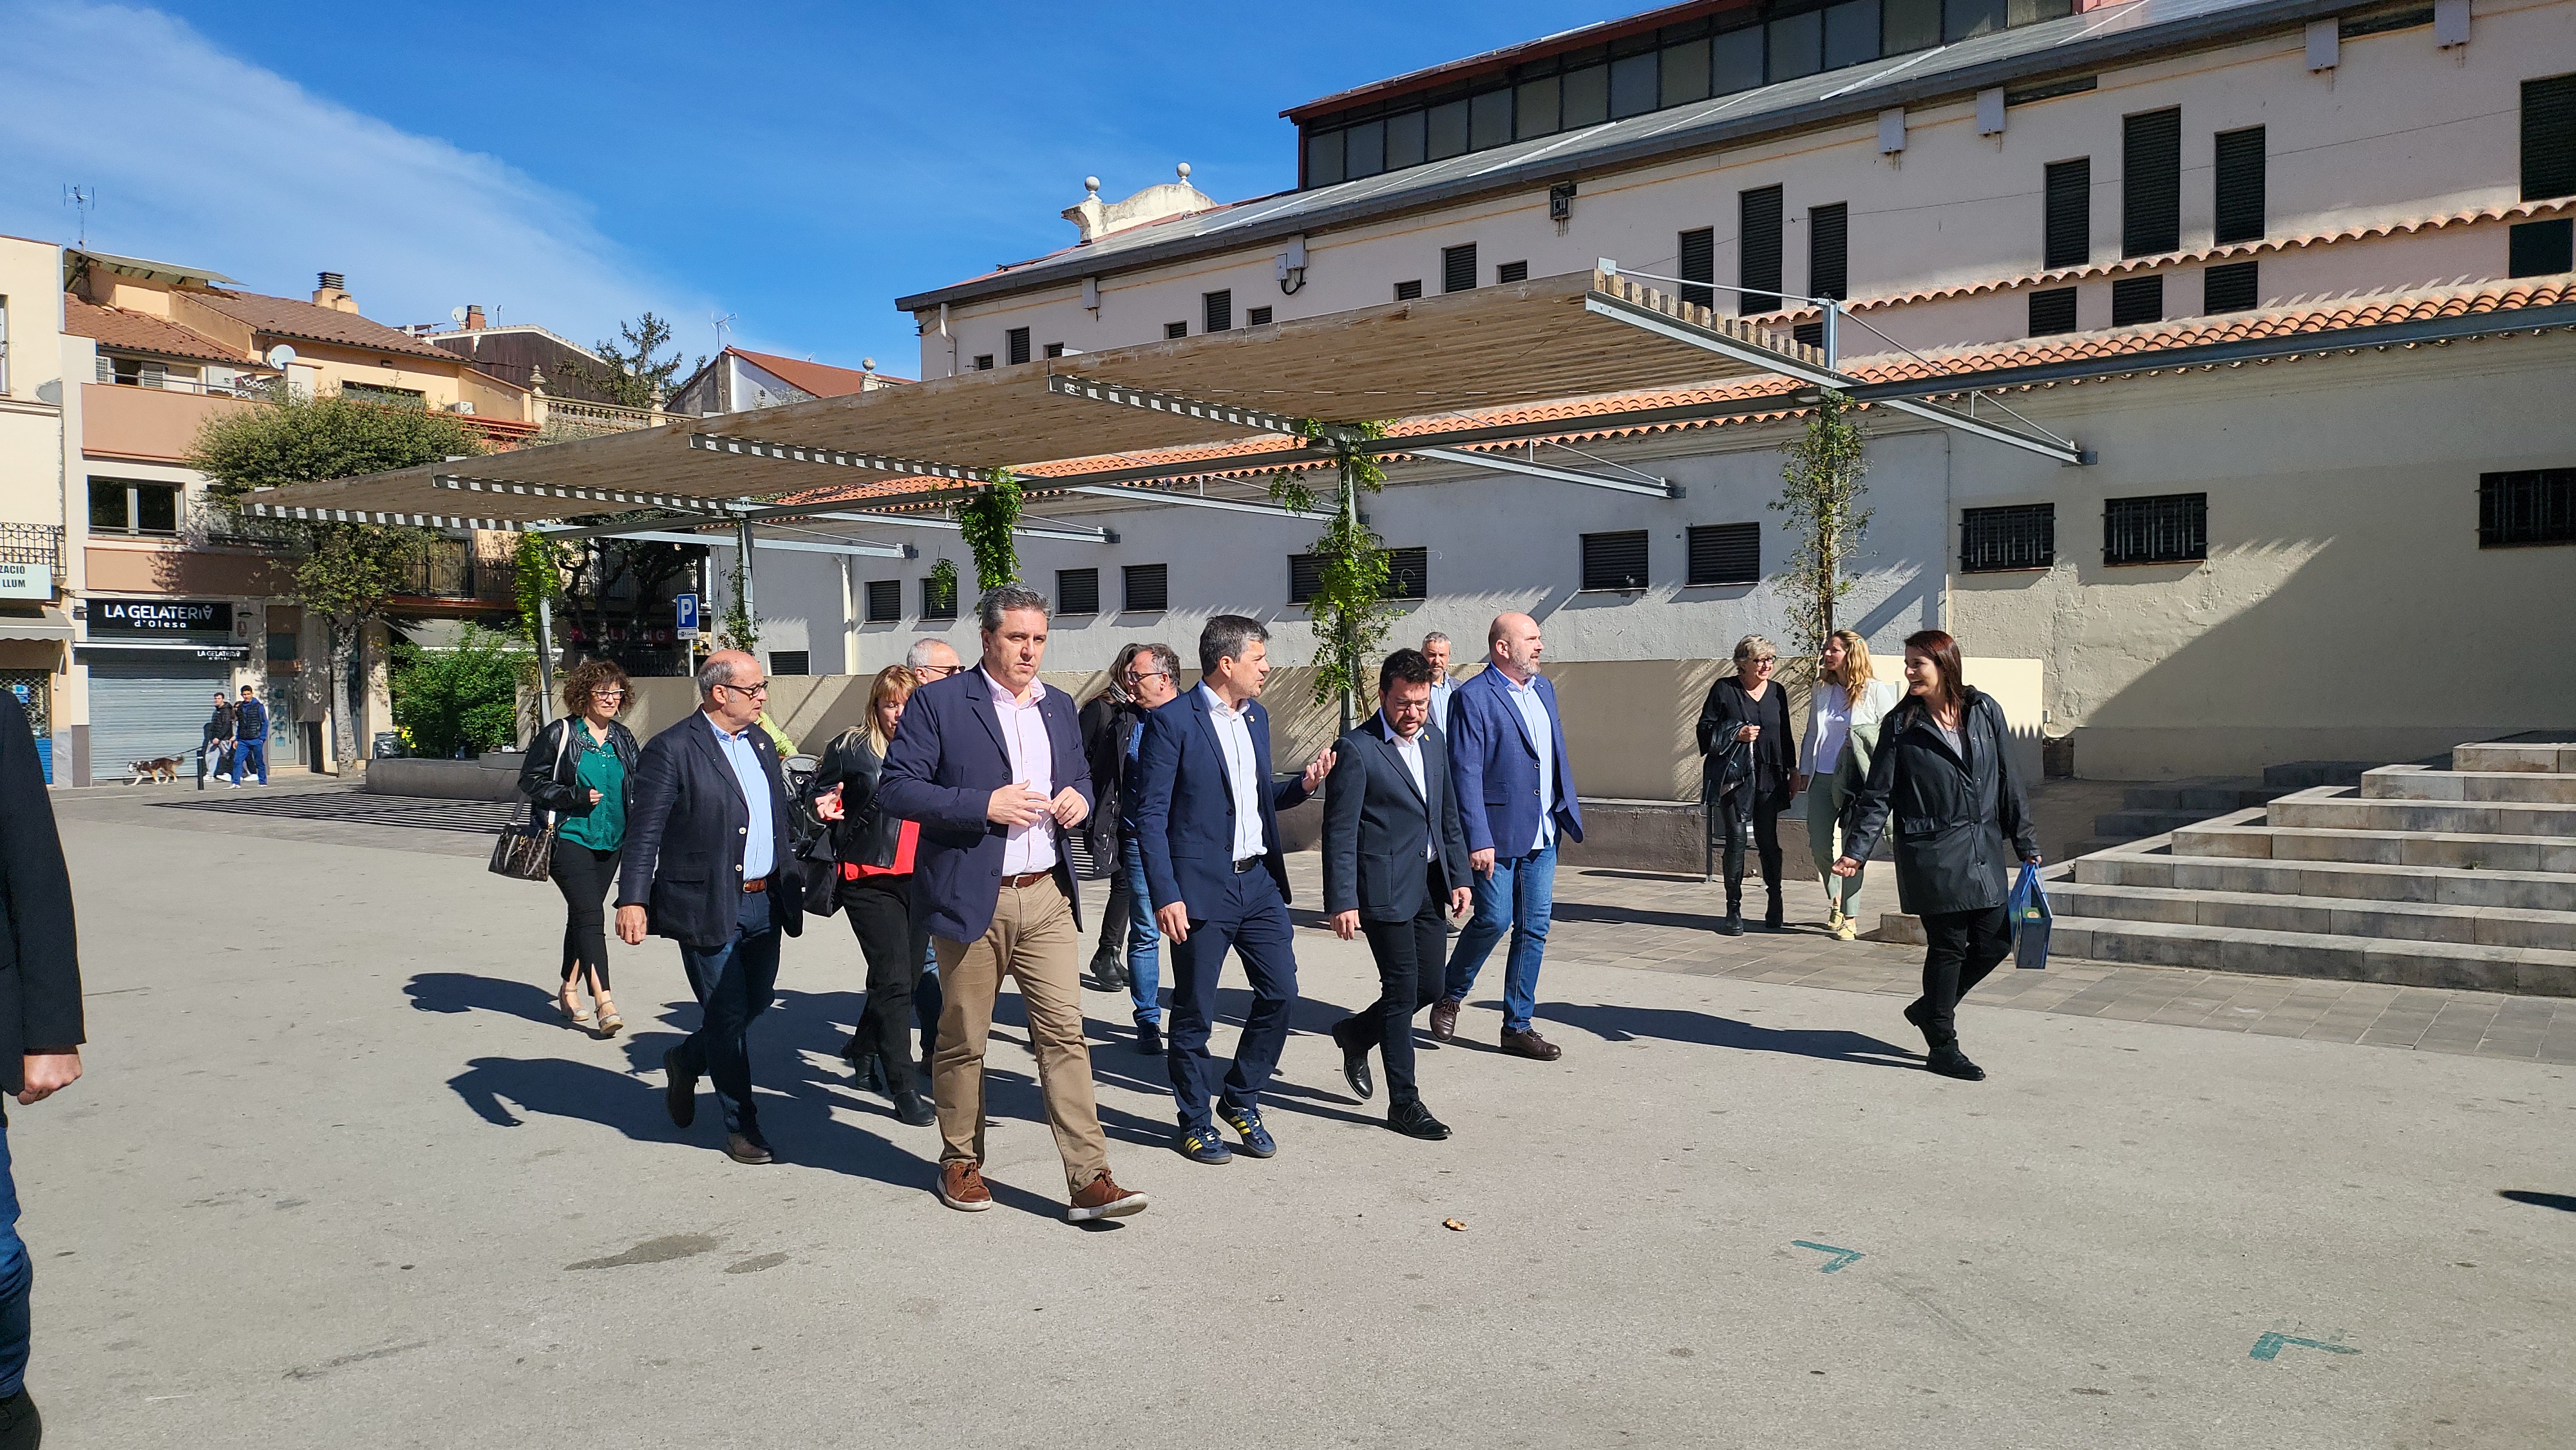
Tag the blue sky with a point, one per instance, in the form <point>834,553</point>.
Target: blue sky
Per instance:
<point>795,165</point>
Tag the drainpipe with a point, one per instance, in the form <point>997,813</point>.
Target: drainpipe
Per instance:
<point>545,661</point>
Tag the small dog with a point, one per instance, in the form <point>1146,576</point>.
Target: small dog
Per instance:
<point>163,768</point>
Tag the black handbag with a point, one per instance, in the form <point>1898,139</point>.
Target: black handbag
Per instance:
<point>526,849</point>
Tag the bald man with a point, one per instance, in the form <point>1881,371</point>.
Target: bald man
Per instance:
<point>706,865</point>
<point>1515,792</point>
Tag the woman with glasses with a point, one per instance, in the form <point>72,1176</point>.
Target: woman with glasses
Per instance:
<point>876,853</point>
<point>582,768</point>
<point>1833,759</point>
<point>1748,707</point>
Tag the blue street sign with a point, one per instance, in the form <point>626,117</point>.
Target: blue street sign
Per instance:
<point>688,616</point>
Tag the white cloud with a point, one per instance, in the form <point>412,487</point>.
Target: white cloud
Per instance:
<point>204,160</point>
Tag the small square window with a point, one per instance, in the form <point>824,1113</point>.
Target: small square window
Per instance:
<point>1615,561</point>
<point>1055,349</point>
<point>787,662</point>
<point>1511,272</point>
<point>1726,554</point>
<point>2167,528</point>
<point>1305,576</point>
<point>1408,291</point>
<point>2236,287</point>
<point>2136,301</point>
<point>983,362</point>
<point>1149,588</point>
<point>1175,330</point>
<point>2534,507</point>
<point>1256,317</point>
<point>1077,591</point>
<point>2052,311</point>
<point>1810,333</point>
<point>2541,249</point>
<point>1408,573</point>
<point>1999,539</point>
<point>938,602</point>
<point>885,601</point>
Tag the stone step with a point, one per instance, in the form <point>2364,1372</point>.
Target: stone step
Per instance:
<point>2343,810</point>
<point>2362,883</point>
<point>2207,795</point>
<point>2331,915</point>
<point>2255,839</point>
<point>2414,783</point>
<point>2091,844</point>
<point>2459,965</point>
<point>2309,774</point>
<point>2514,755</point>
<point>2138,825</point>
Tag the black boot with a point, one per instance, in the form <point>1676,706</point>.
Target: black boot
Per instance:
<point>1109,972</point>
<point>1777,917</point>
<point>909,1107</point>
<point>1949,1061</point>
<point>1733,925</point>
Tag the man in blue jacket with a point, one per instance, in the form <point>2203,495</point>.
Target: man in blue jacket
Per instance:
<point>1516,794</point>
<point>1207,824</point>
<point>250,737</point>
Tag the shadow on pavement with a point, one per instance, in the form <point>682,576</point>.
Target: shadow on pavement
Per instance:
<point>465,992</point>
<point>1628,1024</point>
<point>2563,1202</point>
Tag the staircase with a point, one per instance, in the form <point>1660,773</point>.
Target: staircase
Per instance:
<point>2154,810</point>
<point>2462,877</point>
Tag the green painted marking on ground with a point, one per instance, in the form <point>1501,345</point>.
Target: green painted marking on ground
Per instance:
<point>2269,1346</point>
<point>1840,1256</point>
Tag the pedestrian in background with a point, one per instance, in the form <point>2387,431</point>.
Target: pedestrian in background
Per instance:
<point>40,1029</point>
<point>1943,771</point>
<point>1435,649</point>
<point>1748,706</point>
<point>876,850</point>
<point>1833,758</point>
<point>250,737</point>
<point>1153,680</point>
<point>1515,786</point>
<point>582,768</point>
<point>1105,721</point>
<point>706,856</point>
<point>930,660</point>
<point>215,755</point>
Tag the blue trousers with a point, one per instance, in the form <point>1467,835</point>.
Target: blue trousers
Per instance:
<point>1253,921</point>
<point>1144,969</point>
<point>252,751</point>
<point>734,984</point>
<point>1520,895</point>
<point>17,1275</point>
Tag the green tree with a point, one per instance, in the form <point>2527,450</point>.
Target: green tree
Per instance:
<point>737,629</point>
<point>463,698</point>
<point>346,574</point>
<point>633,369</point>
<point>987,520</point>
<point>1349,606</point>
<point>1822,471</point>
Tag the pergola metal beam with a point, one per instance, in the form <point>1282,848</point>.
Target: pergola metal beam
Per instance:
<point>1184,500</point>
<point>714,508</point>
<point>363,516</point>
<point>796,546</point>
<point>1504,463</point>
<point>1257,419</point>
<point>835,457</point>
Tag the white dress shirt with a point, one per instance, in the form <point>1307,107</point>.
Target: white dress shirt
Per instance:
<point>1410,752</point>
<point>1526,699</point>
<point>1242,772</point>
<point>1024,734</point>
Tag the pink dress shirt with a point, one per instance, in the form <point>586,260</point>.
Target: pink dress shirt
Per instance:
<point>1024,734</point>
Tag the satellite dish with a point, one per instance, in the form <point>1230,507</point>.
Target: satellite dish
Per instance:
<point>456,314</point>
<point>280,355</point>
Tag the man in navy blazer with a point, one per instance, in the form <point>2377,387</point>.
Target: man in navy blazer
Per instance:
<point>1516,793</point>
<point>709,865</point>
<point>1207,821</point>
<point>990,763</point>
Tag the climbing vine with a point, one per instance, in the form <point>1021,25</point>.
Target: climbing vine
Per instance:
<point>536,576</point>
<point>737,629</point>
<point>943,587</point>
<point>1822,472</point>
<point>987,520</point>
<point>1349,606</point>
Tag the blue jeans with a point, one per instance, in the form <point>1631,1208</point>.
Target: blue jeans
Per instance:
<point>1254,922</point>
<point>16,1275</point>
<point>249,749</point>
<point>1520,894</point>
<point>734,984</point>
<point>1144,965</point>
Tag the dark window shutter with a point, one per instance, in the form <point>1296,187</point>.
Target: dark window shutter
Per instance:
<point>1217,309</point>
<point>1726,554</point>
<point>1615,561</point>
<point>1829,251</point>
<point>2069,213</point>
<point>1055,349</point>
<point>1017,345</point>
<point>983,362</point>
<point>2537,507</point>
<point>2541,249</point>
<point>1758,262</point>
<point>1458,268</point>
<point>2163,529</point>
<point>1256,317</point>
<point>1149,588</point>
<point>1305,576</point>
<point>2151,183</point>
<point>790,661</point>
<point>1408,291</point>
<point>2236,287</point>
<point>2023,536</point>
<point>1408,573</point>
<point>885,601</point>
<point>2052,311</point>
<point>936,602</point>
<point>1077,591</point>
<point>2548,137</point>
<point>2137,300</point>
<point>1512,272</point>
<point>1810,333</point>
<point>1175,330</point>
<point>1699,264</point>
<point>2239,210</point>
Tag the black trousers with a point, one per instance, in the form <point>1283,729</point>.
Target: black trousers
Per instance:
<point>585,877</point>
<point>1116,916</point>
<point>1765,810</point>
<point>1965,946</point>
<point>1410,957</point>
<point>880,912</point>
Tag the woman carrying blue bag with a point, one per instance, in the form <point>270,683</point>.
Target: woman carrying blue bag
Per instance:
<point>1942,772</point>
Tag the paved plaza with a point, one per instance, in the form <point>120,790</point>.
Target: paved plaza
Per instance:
<point>339,1177</point>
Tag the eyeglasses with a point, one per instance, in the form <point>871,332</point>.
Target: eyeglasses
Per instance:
<point>936,672</point>
<point>759,689</point>
<point>1138,677</point>
<point>608,694</point>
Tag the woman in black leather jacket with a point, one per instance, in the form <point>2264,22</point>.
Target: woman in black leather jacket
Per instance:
<point>1751,707</point>
<point>582,768</point>
<point>1943,774</point>
<point>875,852</point>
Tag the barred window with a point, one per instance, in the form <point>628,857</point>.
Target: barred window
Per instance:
<point>2163,529</point>
<point>2022,536</point>
<point>2534,507</point>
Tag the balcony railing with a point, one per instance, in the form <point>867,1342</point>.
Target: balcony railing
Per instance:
<point>158,377</point>
<point>33,544</point>
<point>573,415</point>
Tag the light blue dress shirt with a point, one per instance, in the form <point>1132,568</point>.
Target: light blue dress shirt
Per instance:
<point>1525,698</point>
<point>759,845</point>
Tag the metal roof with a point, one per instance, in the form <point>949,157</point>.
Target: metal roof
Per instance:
<point>2115,34</point>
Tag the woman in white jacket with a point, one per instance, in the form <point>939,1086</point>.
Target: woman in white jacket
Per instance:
<point>1843,717</point>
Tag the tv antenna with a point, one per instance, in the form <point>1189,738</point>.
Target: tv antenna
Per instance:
<point>722,321</point>
<point>81,199</point>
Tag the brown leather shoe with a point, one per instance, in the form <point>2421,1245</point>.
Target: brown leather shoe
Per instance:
<point>1103,1198</point>
<point>1444,1020</point>
<point>1530,1045</point>
<point>961,1186</point>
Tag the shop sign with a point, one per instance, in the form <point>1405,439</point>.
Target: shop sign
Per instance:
<point>160,618</point>
<point>26,581</point>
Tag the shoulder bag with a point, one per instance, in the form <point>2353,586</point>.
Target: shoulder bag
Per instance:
<point>526,849</point>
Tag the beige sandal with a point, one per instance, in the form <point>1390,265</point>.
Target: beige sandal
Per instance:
<point>570,1005</point>
<point>609,1022</point>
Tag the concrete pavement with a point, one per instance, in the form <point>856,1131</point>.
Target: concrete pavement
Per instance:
<point>338,1177</point>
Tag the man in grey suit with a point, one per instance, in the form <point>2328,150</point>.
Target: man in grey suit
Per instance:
<point>1395,853</point>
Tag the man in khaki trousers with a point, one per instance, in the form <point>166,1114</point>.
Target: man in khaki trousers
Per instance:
<point>990,762</point>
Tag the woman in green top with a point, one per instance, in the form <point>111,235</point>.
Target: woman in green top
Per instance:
<point>582,768</point>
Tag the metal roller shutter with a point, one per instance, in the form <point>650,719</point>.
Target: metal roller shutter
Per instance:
<point>140,709</point>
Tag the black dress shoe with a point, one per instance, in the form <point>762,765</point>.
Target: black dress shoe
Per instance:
<point>680,1093</point>
<point>1355,1068</point>
<point>1414,1120</point>
<point>1106,970</point>
<point>909,1108</point>
<point>867,1070</point>
<point>1777,918</point>
<point>1732,924</point>
<point>748,1147</point>
<point>1149,1039</point>
<point>1951,1062</point>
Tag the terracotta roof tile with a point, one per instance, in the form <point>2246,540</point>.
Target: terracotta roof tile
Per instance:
<point>286,317</point>
<point>132,331</point>
<point>820,379</point>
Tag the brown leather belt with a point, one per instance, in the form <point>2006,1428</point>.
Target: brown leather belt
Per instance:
<point>751,886</point>
<point>1022,883</point>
